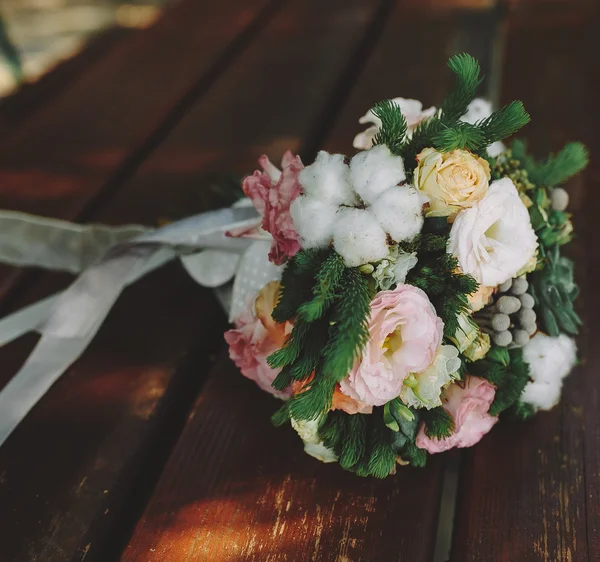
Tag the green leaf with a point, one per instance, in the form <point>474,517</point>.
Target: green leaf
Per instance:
<point>388,419</point>
<point>438,423</point>
<point>392,131</point>
<point>468,78</point>
<point>503,122</point>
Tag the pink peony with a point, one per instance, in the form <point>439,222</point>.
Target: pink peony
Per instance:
<point>255,336</point>
<point>405,337</point>
<point>272,192</point>
<point>468,404</point>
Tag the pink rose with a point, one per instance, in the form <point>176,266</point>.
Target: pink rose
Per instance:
<point>468,404</point>
<point>272,192</point>
<point>406,334</point>
<point>255,336</point>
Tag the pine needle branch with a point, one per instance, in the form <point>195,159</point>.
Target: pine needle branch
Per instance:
<point>392,132</point>
<point>468,79</point>
<point>504,122</point>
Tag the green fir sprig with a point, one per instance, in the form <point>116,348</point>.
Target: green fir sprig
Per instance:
<point>393,126</point>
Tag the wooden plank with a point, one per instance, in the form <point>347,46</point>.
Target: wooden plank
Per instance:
<point>23,103</point>
<point>236,488</point>
<point>532,491</point>
<point>94,135</point>
<point>104,430</point>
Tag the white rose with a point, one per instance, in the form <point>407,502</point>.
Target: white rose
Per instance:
<point>413,113</point>
<point>308,430</point>
<point>550,361</point>
<point>493,239</point>
<point>451,180</point>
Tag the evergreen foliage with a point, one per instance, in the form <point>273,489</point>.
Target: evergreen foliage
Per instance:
<point>521,411</point>
<point>393,126</point>
<point>502,123</point>
<point>557,168</point>
<point>468,78</point>
<point>510,380</point>
<point>330,328</point>
<point>438,423</point>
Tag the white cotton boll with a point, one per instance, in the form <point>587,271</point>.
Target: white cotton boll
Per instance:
<point>496,149</point>
<point>399,211</point>
<point>375,170</point>
<point>313,221</point>
<point>327,179</point>
<point>550,361</point>
<point>358,238</point>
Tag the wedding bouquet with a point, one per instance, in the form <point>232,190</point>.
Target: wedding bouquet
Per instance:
<point>419,290</point>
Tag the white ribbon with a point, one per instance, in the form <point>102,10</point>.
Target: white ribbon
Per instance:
<point>112,258</point>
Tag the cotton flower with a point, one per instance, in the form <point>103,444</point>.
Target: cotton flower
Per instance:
<point>452,180</point>
<point>374,171</point>
<point>493,239</point>
<point>423,390</point>
<point>405,335</point>
<point>327,180</point>
<point>399,210</point>
<point>272,191</point>
<point>394,268</point>
<point>550,361</point>
<point>468,403</point>
<point>308,430</point>
<point>358,237</point>
<point>413,113</point>
<point>313,220</point>
<point>255,336</point>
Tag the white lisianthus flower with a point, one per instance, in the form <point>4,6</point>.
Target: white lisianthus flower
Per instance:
<point>413,113</point>
<point>308,430</point>
<point>394,269</point>
<point>423,390</point>
<point>493,239</point>
<point>550,361</point>
<point>374,171</point>
<point>477,110</point>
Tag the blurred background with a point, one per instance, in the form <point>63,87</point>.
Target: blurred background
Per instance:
<point>36,35</point>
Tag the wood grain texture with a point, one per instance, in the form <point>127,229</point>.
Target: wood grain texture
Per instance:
<point>531,491</point>
<point>104,429</point>
<point>236,488</point>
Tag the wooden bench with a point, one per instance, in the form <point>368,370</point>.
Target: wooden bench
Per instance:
<point>152,447</point>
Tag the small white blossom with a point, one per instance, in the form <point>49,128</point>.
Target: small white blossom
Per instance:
<point>493,239</point>
<point>394,269</point>
<point>308,430</point>
<point>374,171</point>
<point>423,390</point>
<point>313,221</point>
<point>550,361</point>
<point>399,211</point>
<point>358,238</point>
<point>327,179</point>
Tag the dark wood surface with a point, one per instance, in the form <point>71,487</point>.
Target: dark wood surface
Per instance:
<point>131,453</point>
<point>531,491</point>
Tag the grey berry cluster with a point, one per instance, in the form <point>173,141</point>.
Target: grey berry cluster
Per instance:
<point>510,320</point>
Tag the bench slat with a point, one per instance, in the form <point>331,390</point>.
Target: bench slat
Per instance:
<point>532,491</point>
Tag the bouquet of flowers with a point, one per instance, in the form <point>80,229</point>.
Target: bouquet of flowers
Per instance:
<point>420,291</point>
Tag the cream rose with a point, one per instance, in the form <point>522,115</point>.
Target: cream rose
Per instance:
<point>452,180</point>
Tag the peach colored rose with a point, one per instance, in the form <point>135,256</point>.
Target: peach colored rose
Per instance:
<point>468,403</point>
<point>255,336</point>
<point>405,336</point>
<point>452,180</point>
<point>272,192</point>
<point>481,297</point>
